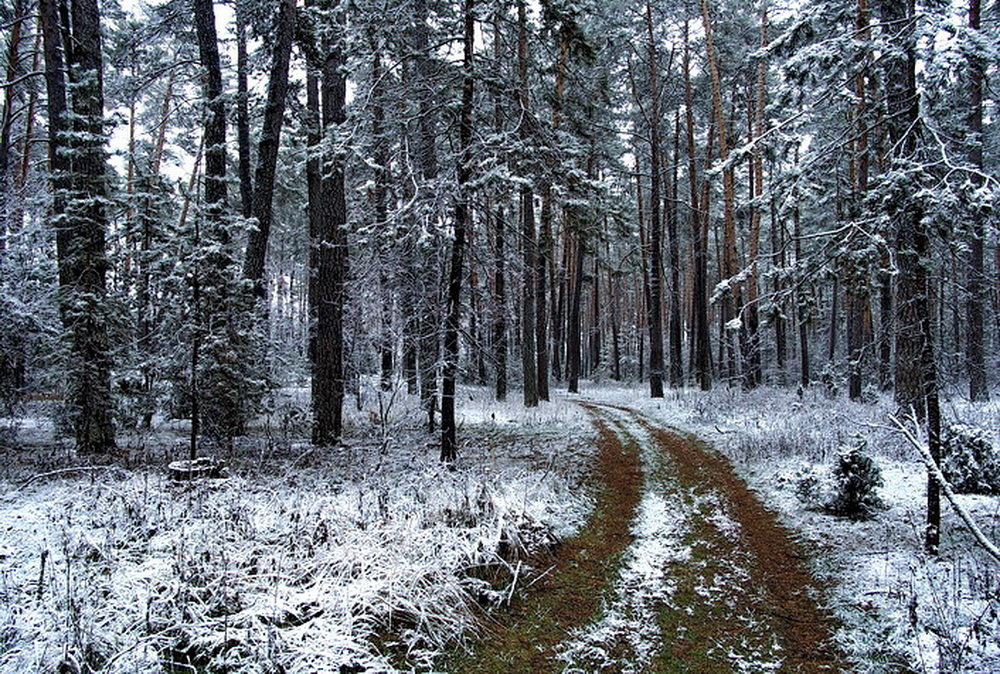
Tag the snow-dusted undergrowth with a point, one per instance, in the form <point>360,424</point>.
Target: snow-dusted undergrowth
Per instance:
<point>301,561</point>
<point>895,604</point>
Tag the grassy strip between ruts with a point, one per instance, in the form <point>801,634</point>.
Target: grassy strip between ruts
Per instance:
<point>780,588</point>
<point>524,638</point>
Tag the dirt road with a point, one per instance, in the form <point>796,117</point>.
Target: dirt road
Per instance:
<point>679,569</point>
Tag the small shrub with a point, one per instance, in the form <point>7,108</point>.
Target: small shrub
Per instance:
<point>812,488</point>
<point>849,489</point>
<point>857,479</point>
<point>970,462</point>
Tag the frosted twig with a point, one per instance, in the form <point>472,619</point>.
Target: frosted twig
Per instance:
<point>925,453</point>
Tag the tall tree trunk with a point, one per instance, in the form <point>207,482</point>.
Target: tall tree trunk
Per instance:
<point>529,288</point>
<point>916,375</point>
<point>500,304</point>
<point>674,330</point>
<point>427,268</point>
<point>733,297</point>
<point>382,233</point>
<point>573,323</point>
<point>595,322</point>
<point>215,117</point>
<point>655,223</point>
<point>975,282</point>
<point>778,252</point>
<point>11,103</point>
<point>801,310</point>
<point>330,275</point>
<point>78,165</point>
<point>267,148</point>
<point>24,164</point>
<point>243,111</point>
<point>449,446</point>
<point>544,251</point>
<point>499,323</point>
<point>754,375</point>
<point>701,367</point>
<point>856,297</point>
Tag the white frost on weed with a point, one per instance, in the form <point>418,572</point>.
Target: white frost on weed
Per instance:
<point>298,567</point>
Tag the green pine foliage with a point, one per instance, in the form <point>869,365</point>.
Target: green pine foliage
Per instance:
<point>970,463</point>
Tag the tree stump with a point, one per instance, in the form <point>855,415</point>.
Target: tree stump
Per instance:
<point>192,469</point>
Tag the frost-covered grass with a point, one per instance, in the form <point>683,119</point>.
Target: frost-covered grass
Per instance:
<point>370,555</point>
<point>896,605</point>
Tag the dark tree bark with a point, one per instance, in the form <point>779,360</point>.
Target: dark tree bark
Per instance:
<point>754,373</point>
<point>215,118</point>
<point>427,266</point>
<point>267,148</point>
<point>543,253</point>
<point>500,305</point>
<point>916,375</point>
<point>498,328</point>
<point>676,361</point>
<point>78,164</point>
<point>449,444</point>
<point>856,297</point>
<point>529,288</point>
<point>529,360</point>
<point>573,326</point>
<point>701,366</point>
<point>330,274</point>
<point>243,112</point>
<point>801,312</point>
<point>975,282</point>
<point>381,198</point>
<point>654,307</point>
<point>12,95</point>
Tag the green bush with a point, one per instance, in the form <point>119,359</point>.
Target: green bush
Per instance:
<point>969,460</point>
<point>857,479</point>
<point>849,489</point>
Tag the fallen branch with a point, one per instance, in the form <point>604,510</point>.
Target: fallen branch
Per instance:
<point>61,471</point>
<point>949,493</point>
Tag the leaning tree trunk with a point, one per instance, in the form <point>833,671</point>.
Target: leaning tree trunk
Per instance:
<point>267,148</point>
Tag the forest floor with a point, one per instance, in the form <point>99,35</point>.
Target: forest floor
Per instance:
<point>604,532</point>
<point>680,568</point>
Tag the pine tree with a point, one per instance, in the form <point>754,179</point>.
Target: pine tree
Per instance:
<point>77,164</point>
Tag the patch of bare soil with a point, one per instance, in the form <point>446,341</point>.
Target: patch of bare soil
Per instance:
<point>743,600</point>
<point>786,591</point>
<point>573,581</point>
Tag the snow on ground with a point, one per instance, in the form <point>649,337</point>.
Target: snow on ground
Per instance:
<point>896,605</point>
<point>629,617</point>
<point>313,559</point>
<point>370,555</point>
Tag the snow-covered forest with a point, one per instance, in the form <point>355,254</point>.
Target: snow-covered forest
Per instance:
<point>483,336</point>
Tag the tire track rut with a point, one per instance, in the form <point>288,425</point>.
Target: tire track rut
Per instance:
<point>736,594</point>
